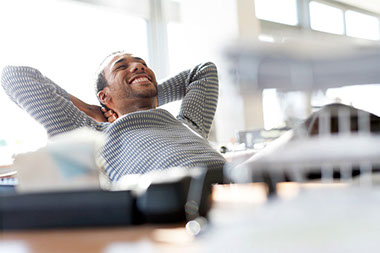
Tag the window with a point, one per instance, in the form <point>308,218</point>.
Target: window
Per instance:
<point>362,26</point>
<point>281,11</point>
<point>361,96</point>
<point>272,113</point>
<point>66,41</point>
<point>326,18</point>
<point>267,38</point>
<point>335,17</point>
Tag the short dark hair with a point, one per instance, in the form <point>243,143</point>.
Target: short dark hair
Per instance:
<point>100,80</point>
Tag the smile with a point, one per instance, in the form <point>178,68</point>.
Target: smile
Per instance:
<point>140,80</point>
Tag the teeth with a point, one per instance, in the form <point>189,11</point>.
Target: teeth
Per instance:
<point>140,79</point>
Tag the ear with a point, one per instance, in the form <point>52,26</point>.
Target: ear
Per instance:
<point>103,96</point>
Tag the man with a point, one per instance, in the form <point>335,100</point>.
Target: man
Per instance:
<point>143,138</point>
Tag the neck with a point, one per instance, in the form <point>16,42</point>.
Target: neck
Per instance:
<point>138,104</point>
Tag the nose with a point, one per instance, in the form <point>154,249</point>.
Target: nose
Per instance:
<point>137,66</point>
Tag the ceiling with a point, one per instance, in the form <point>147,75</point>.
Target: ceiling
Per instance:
<point>369,5</point>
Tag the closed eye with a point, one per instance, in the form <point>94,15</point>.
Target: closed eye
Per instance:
<point>121,67</point>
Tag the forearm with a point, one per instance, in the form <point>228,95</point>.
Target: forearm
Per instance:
<point>198,89</point>
<point>23,84</point>
<point>45,101</point>
<point>92,111</point>
<point>178,86</point>
<point>173,89</point>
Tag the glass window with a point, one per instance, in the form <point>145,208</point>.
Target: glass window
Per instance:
<point>272,113</point>
<point>281,11</point>
<point>326,18</point>
<point>266,38</point>
<point>362,26</point>
<point>360,96</point>
<point>66,41</point>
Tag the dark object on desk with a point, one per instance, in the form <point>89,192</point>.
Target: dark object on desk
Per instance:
<point>164,202</point>
<point>7,185</point>
<point>6,189</point>
<point>168,202</point>
<point>159,203</point>
<point>66,209</point>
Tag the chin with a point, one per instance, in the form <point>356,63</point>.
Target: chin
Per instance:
<point>146,94</point>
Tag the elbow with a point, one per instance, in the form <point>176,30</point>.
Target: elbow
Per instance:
<point>6,73</point>
<point>10,72</point>
<point>16,71</point>
<point>11,76</point>
<point>209,69</point>
<point>210,63</point>
<point>211,66</point>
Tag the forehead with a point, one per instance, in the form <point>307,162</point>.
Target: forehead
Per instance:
<point>122,58</point>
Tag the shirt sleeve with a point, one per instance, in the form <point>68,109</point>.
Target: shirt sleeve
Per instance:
<point>198,89</point>
<point>45,101</point>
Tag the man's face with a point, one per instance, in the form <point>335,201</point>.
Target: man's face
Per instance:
<point>129,77</point>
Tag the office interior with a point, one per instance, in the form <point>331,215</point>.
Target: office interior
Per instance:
<point>67,39</point>
<point>174,36</point>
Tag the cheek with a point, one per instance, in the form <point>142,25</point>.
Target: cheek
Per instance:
<point>120,91</point>
<point>151,73</point>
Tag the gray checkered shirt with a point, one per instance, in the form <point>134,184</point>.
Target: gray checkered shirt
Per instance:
<point>138,142</point>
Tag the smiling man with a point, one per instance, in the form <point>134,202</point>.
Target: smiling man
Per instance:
<point>126,84</point>
<point>142,138</point>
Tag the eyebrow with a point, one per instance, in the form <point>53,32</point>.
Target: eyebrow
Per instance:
<point>118,61</point>
<point>124,59</point>
<point>138,58</point>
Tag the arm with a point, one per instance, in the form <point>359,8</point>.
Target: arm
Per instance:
<point>198,89</point>
<point>100,114</point>
<point>45,101</point>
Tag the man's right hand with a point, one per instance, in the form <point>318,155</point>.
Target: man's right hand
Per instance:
<point>110,115</point>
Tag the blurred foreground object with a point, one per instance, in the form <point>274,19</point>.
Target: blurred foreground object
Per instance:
<point>306,217</point>
<point>67,163</point>
<point>337,142</point>
<point>172,196</point>
<point>297,64</point>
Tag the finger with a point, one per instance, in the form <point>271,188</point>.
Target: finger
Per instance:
<point>108,113</point>
<point>112,118</point>
<point>103,109</point>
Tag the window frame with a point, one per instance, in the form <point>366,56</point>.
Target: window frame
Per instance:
<point>329,5</point>
<point>156,15</point>
<point>296,9</point>
<point>303,12</point>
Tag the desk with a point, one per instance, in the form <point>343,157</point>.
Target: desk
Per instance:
<point>96,240</point>
<point>241,220</point>
<point>159,237</point>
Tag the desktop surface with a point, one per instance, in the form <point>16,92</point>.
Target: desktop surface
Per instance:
<point>308,217</point>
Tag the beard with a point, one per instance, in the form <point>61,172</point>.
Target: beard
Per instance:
<point>145,93</point>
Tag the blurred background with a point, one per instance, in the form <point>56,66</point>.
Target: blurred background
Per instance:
<point>67,39</point>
